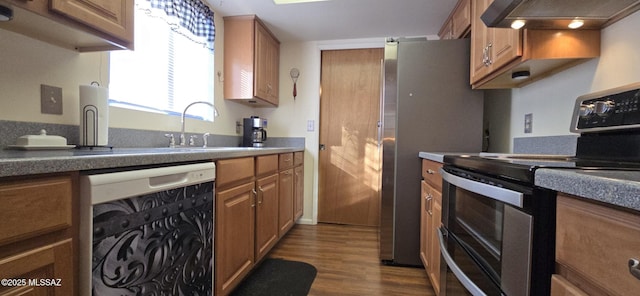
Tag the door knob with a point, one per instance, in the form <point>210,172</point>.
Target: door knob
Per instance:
<point>322,147</point>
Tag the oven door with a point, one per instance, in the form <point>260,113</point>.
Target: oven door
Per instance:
<point>462,275</point>
<point>488,234</point>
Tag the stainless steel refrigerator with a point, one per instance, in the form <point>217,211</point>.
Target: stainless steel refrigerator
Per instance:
<point>428,105</point>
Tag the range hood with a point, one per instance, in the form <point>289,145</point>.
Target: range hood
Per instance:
<point>554,14</point>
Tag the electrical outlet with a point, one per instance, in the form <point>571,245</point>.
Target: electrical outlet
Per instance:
<point>50,99</point>
<point>310,125</point>
<point>528,123</point>
<point>238,127</point>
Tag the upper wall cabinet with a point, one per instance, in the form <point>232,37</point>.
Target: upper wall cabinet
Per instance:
<point>508,58</point>
<point>251,62</point>
<point>458,24</point>
<point>94,25</point>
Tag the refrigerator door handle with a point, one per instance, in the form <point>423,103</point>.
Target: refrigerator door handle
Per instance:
<point>381,118</point>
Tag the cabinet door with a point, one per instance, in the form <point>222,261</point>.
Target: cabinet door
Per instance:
<point>234,236</point>
<point>285,215</point>
<point>434,244</point>
<point>479,41</point>
<point>505,46</point>
<point>266,215</point>
<point>298,179</point>
<point>53,262</point>
<point>424,225</point>
<point>108,16</point>
<point>267,60</point>
<point>461,19</point>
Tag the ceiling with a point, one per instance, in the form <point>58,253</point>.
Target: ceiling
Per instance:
<point>343,19</point>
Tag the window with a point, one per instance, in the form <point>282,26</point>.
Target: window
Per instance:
<point>167,70</point>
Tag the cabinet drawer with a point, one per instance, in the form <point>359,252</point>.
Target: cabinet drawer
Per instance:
<point>266,164</point>
<point>298,158</point>
<point>431,173</point>
<point>286,160</point>
<point>230,171</point>
<point>596,242</point>
<point>34,207</point>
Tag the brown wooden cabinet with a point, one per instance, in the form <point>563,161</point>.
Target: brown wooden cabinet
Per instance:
<point>234,222</point>
<point>594,244</point>
<point>267,185</point>
<point>254,209</point>
<point>38,234</point>
<point>286,204</point>
<point>78,25</point>
<point>430,220</point>
<point>458,24</point>
<point>298,180</point>
<point>251,62</point>
<point>491,48</point>
<point>496,53</point>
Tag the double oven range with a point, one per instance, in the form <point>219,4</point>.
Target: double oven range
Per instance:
<point>498,228</point>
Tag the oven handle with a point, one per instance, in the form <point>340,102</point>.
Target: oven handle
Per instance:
<point>511,197</point>
<point>464,280</point>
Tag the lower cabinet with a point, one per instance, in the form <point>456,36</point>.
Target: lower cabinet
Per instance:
<point>267,230</point>
<point>234,236</point>
<point>298,192</point>
<point>254,209</point>
<point>596,248</point>
<point>285,217</point>
<point>37,235</point>
<point>430,221</point>
<point>430,217</point>
<point>298,180</point>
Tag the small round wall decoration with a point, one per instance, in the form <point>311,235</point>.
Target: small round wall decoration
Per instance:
<point>295,73</point>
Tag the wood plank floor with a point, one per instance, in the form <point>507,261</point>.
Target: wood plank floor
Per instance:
<point>346,258</point>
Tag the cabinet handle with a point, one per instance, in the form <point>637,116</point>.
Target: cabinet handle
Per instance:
<point>430,205</point>
<point>261,195</point>
<point>489,47</point>
<point>484,56</point>
<point>253,204</point>
<point>634,267</point>
<point>430,171</point>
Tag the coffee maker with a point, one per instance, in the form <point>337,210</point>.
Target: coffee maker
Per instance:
<point>254,132</point>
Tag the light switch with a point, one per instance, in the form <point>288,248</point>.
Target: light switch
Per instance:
<point>528,123</point>
<point>310,125</point>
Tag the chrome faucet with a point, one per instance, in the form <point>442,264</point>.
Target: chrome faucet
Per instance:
<point>183,141</point>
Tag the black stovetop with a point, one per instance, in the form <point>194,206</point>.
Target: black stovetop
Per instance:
<point>522,167</point>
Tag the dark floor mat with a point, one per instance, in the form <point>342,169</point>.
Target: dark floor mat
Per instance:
<point>278,277</point>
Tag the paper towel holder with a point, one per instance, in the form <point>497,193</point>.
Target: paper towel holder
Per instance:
<point>90,120</point>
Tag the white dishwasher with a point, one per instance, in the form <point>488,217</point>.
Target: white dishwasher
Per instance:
<point>147,231</point>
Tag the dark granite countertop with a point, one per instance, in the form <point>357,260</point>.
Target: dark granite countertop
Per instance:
<point>18,162</point>
<point>616,187</point>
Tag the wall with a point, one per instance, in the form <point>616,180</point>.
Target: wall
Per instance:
<point>551,100</point>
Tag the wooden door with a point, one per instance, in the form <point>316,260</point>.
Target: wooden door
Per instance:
<point>350,166</point>
<point>266,215</point>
